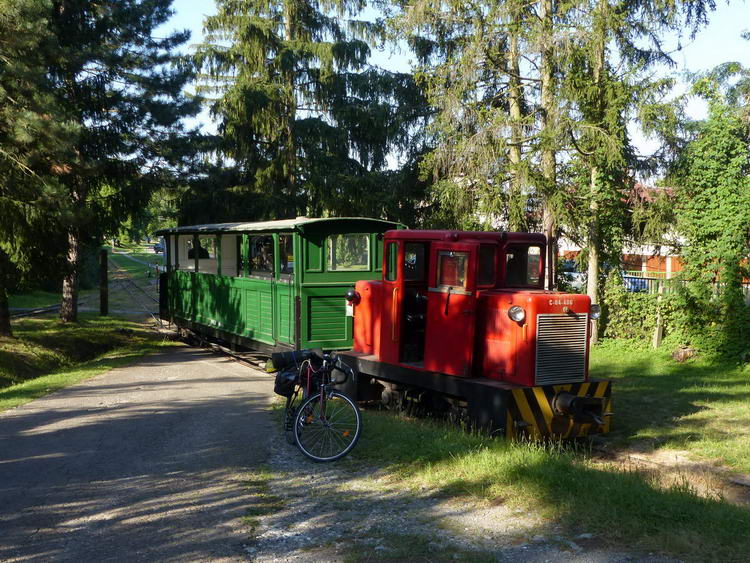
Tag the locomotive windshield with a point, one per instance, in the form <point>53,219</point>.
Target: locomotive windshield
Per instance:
<point>523,266</point>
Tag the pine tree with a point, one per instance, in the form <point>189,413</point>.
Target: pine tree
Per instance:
<point>606,83</point>
<point>34,146</point>
<point>307,122</point>
<point>123,86</point>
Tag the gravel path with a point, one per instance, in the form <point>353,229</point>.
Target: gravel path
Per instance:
<point>149,462</point>
<point>326,512</point>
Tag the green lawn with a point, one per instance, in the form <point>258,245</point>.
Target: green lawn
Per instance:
<point>47,355</point>
<point>38,299</point>
<point>136,270</point>
<point>697,406</point>
<point>570,490</point>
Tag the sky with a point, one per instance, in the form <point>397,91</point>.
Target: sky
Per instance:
<point>716,43</point>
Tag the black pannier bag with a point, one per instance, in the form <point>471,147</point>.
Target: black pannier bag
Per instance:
<point>294,358</point>
<point>285,382</point>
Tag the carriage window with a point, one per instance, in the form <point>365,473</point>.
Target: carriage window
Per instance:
<point>207,254</point>
<point>185,255</point>
<point>523,266</point>
<point>261,255</point>
<point>230,255</point>
<point>452,268</point>
<point>391,265</point>
<point>348,252</point>
<point>286,255</point>
<point>487,263</point>
<point>414,261</point>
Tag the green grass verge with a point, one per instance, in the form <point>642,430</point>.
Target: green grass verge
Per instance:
<point>698,406</point>
<point>624,509</point>
<point>137,271</point>
<point>47,355</point>
<point>38,299</point>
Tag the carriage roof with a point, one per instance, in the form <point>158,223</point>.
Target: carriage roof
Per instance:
<point>297,224</point>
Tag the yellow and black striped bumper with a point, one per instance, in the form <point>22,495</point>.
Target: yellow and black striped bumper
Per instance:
<point>531,412</point>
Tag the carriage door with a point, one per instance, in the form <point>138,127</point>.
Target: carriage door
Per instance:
<point>284,314</point>
<point>451,308</point>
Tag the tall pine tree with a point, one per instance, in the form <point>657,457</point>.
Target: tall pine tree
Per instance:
<point>34,147</point>
<point>123,86</point>
<point>307,122</point>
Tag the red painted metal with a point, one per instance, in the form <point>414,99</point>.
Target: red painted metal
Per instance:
<point>468,330</point>
<point>506,350</point>
<point>451,308</point>
<point>367,317</point>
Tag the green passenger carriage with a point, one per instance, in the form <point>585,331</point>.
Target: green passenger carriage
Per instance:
<point>273,284</point>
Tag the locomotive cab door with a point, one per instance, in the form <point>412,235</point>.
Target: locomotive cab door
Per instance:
<point>393,293</point>
<point>451,308</point>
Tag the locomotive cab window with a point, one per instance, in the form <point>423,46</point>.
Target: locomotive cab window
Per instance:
<point>261,255</point>
<point>415,263</point>
<point>452,267</point>
<point>348,252</point>
<point>523,266</point>
<point>487,265</point>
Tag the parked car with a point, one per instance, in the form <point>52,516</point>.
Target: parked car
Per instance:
<point>575,279</point>
<point>159,247</point>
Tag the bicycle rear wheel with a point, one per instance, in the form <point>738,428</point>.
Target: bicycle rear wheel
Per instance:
<point>327,430</point>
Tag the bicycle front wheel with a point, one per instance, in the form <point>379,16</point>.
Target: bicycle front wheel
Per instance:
<point>327,428</point>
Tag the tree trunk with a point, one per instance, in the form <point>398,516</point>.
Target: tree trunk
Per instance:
<point>5,328</point>
<point>594,235</point>
<point>69,306</point>
<point>592,270</point>
<point>516,201</point>
<point>548,157</point>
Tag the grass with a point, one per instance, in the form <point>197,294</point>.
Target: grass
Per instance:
<point>37,299</point>
<point>623,509</point>
<point>47,355</point>
<point>135,270</point>
<point>698,406</point>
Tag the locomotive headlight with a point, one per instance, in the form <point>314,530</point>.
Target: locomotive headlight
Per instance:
<point>596,311</point>
<point>517,314</point>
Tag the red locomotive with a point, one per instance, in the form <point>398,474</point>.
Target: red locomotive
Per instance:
<point>462,320</point>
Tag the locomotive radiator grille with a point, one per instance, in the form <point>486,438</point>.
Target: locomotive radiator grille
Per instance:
<point>561,348</point>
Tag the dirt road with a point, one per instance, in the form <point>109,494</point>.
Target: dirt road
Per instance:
<point>148,462</point>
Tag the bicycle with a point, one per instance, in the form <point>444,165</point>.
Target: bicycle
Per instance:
<point>324,423</point>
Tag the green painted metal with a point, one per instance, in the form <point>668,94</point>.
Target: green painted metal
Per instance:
<point>263,309</point>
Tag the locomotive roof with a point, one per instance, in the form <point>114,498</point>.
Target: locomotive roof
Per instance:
<point>280,225</point>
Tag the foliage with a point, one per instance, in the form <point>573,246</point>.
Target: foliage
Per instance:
<point>632,315</point>
<point>305,121</point>
<point>34,147</point>
<point>713,214</point>
<point>123,87</point>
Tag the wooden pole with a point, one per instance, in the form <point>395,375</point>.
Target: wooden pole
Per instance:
<point>103,284</point>
<point>659,330</point>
